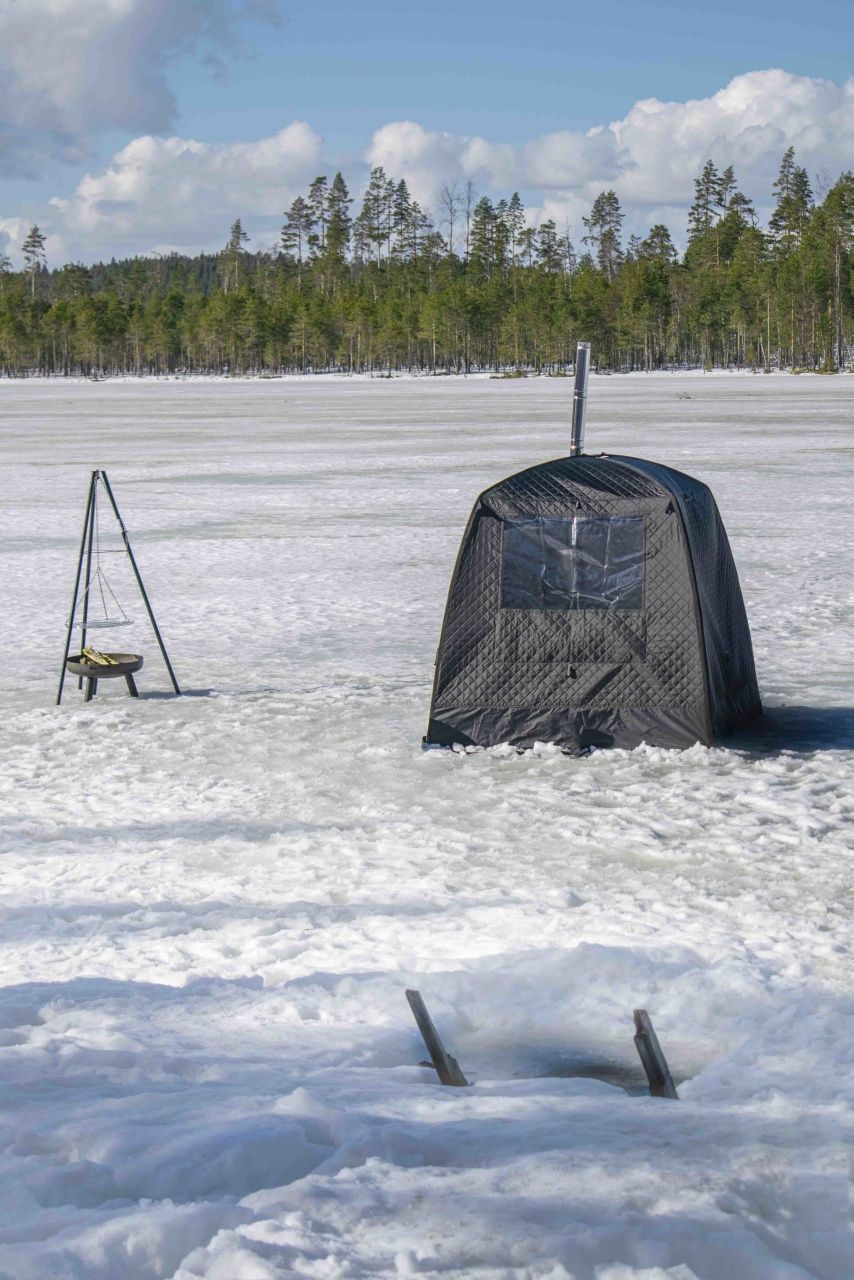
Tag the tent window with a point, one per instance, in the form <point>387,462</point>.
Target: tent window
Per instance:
<point>554,563</point>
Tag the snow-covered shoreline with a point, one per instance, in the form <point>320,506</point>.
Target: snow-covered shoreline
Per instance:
<point>323,376</point>
<point>212,907</point>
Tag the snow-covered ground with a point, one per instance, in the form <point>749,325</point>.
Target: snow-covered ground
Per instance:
<point>212,906</point>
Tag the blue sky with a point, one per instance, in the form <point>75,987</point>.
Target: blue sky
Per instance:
<point>528,84</point>
<point>505,70</point>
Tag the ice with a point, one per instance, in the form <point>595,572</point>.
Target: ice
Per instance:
<point>212,906</point>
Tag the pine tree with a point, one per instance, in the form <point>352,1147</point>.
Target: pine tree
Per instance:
<point>75,281</point>
<point>784,185</point>
<point>361,237</point>
<point>548,249</point>
<point>742,206</point>
<point>527,245</point>
<point>34,255</point>
<point>658,245</point>
<point>567,253</point>
<point>603,233</point>
<point>794,204</point>
<point>482,237</point>
<point>401,217</point>
<point>339,226</point>
<point>296,232</point>
<point>837,212</point>
<point>421,230</point>
<point>515,221</point>
<point>318,200</point>
<point>727,188</point>
<point>375,217</point>
<point>232,254</point>
<point>501,236</point>
<point>519,300</point>
<point>734,215</point>
<point>703,213</point>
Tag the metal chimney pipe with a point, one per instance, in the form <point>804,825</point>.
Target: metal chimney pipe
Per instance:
<point>579,398</point>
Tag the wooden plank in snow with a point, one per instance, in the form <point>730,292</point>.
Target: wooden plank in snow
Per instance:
<point>654,1062</point>
<point>447,1067</point>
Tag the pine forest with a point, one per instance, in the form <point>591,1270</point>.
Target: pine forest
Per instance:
<point>471,286</point>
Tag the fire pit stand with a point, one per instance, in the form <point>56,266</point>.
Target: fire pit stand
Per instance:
<point>123,664</point>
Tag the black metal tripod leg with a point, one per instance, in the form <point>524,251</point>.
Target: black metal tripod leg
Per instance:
<point>140,584</point>
<point>70,626</point>
<point>131,684</point>
<point>91,689</point>
<point>88,579</point>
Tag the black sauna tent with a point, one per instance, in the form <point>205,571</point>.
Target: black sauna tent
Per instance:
<point>594,602</point>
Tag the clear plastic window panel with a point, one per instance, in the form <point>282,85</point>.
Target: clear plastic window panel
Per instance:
<point>555,563</point>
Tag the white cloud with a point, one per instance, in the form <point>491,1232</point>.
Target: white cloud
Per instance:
<point>653,154</point>
<point>177,193</point>
<point>749,123</point>
<point>568,159</point>
<point>174,193</point>
<point>427,160</point>
<point>70,69</point>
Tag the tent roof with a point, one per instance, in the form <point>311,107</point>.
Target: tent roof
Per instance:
<point>584,479</point>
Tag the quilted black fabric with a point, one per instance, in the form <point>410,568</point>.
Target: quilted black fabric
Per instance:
<point>676,671</point>
<point>731,671</point>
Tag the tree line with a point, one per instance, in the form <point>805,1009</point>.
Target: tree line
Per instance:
<point>472,287</point>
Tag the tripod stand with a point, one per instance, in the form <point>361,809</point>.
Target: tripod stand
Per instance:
<point>96,586</point>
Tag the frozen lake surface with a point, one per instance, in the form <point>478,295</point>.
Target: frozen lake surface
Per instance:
<point>212,906</point>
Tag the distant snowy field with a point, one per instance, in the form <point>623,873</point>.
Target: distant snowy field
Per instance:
<point>212,906</point>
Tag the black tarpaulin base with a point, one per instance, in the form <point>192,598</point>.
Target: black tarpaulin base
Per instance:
<point>572,730</point>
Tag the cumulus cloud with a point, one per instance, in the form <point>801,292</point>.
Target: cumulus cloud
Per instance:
<point>427,160</point>
<point>749,123</point>
<point>162,194</point>
<point>70,69</point>
<point>176,193</point>
<point>573,160</point>
<point>653,154</point>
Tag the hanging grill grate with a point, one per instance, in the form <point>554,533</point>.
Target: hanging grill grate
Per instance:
<point>106,619</point>
<point>111,612</point>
